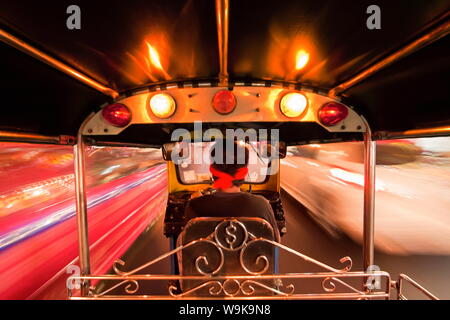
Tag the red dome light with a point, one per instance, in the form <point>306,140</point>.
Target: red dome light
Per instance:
<point>332,113</point>
<point>117,115</point>
<point>224,102</point>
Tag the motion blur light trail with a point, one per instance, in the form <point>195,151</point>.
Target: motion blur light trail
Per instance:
<point>412,213</point>
<point>38,237</point>
<point>48,221</point>
<point>127,193</point>
<point>113,227</point>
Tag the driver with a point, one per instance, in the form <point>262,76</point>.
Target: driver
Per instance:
<point>229,169</point>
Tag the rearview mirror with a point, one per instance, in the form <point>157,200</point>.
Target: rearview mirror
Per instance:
<point>269,150</point>
<point>175,151</point>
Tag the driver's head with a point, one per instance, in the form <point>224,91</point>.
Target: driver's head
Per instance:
<point>230,157</point>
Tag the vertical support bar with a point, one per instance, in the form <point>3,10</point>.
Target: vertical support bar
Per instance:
<point>369,199</point>
<point>222,8</point>
<point>82,221</point>
<point>81,203</point>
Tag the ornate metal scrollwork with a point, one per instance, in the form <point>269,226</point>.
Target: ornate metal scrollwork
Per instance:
<point>129,289</point>
<point>231,237</point>
<point>205,261</point>
<point>260,259</point>
<point>251,290</point>
<point>232,288</point>
<point>214,288</point>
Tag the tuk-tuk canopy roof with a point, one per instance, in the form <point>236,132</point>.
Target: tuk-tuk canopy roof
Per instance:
<point>118,40</point>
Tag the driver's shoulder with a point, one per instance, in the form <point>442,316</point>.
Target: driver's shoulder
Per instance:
<point>255,198</point>
<point>203,198</point>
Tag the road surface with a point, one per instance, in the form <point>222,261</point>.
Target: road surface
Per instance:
<point>304,235</point>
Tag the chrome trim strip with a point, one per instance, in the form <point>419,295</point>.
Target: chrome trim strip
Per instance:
<point>38,54</point>
<point>415,133</point>
<point>8,136</point>
<point>436,33</point>
<point>222,10</point>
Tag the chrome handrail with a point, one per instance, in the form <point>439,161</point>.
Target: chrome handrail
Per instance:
<point>402,278</point>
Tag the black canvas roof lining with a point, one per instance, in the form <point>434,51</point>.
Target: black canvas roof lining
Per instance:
<point>40,99</point>
<point>412,93</point>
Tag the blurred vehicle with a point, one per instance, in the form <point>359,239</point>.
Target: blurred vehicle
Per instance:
<point>38,238</point>
<point>412,187</point>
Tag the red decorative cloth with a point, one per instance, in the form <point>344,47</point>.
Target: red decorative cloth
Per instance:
<point>223,180</point>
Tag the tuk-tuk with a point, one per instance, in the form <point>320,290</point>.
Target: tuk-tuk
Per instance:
<point>272,76</point>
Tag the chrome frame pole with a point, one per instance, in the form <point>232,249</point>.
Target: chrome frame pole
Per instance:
<point>440,30</point>
<point>415,133</point>
<point>369,199</point>
<point>9,136</point>
<point>21,45</point>
<point>222,11</point>
<point>81,205</point>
